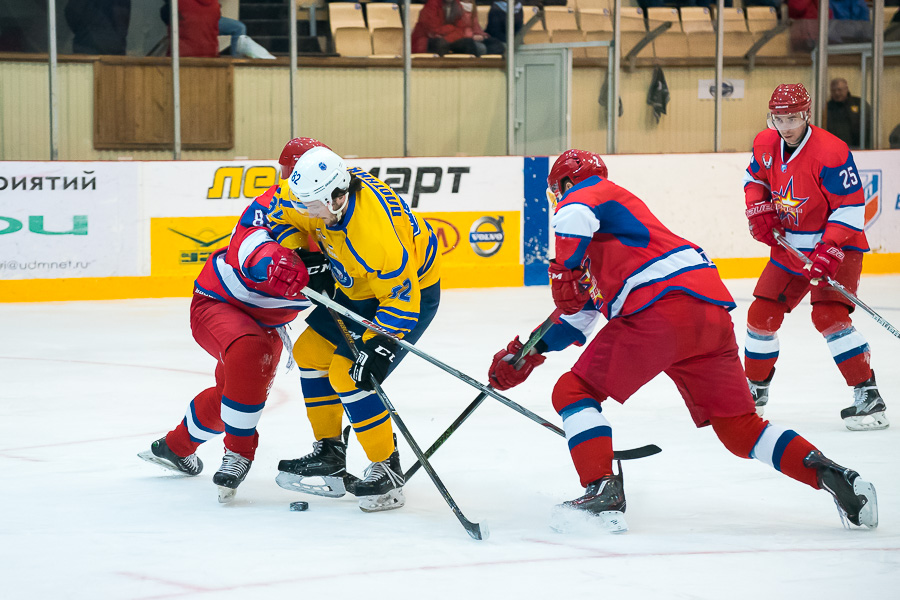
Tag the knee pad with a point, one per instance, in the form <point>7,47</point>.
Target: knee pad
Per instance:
<point>569,389</point>
<point>830,317</point>
<point>250,360</point>
<point>766,315</point>
<point>739,434</point>
<point>312,351</point>
<point>339,374</point>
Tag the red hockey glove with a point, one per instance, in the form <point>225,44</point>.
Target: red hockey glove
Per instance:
<point>763,219</point>
<point>569,294</point>
<point>504,375</point>
<point>826,260</point>
<point>286,274</point>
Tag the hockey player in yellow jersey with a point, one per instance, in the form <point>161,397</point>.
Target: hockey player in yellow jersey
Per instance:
<point>386,264</point>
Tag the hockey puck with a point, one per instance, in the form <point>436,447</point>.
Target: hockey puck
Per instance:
<point>299,505</point>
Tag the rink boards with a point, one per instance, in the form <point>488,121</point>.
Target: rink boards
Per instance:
<point>107,230</point>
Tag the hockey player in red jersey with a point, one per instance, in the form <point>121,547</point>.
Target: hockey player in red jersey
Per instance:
<point>667,312</point>
<point>243,296</point>
<point>802,182</point>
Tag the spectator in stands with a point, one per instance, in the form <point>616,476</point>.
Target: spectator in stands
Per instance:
<point>451,26</point>
<point>894,138</point>
<point>198,26</point>
<point>645,4</point>
<point>849,22</point>
<point>496,25</point>
<point>99,26</point>
<point>842,114</point>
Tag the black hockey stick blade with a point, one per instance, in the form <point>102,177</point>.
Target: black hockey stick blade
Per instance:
<point>633,453</point>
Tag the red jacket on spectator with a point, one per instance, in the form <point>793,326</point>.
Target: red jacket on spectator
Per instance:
<point>433,24</point>
<point>198,27</point>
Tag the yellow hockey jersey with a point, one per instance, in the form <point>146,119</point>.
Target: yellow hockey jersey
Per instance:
<point>380,249</point>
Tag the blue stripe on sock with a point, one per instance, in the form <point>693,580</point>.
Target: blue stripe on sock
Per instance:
<point>758,356</point>
<point>580,405</point>
<point>372,424</point>
<point>780,446</point>
<point>851,353</point>
<point>590,434</point>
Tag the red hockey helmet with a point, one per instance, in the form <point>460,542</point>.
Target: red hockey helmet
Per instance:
<point>576,166</point>
<point>789,98</point>
<point>293,150</point>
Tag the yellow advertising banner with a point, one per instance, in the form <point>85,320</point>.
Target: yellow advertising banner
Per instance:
<point>480,249</point>
<point>180,245</point>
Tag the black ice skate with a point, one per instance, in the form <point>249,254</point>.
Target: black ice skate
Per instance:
<point>760,392</point>
<point>382,485</point>
<point>855,499</point>
<point>322,472</point>
<point>867,412</point>
<point>603,502</point>
<point>230,475</point>
<point>160,454</point>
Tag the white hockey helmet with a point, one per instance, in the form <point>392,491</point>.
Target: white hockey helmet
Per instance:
<point>317,175</point>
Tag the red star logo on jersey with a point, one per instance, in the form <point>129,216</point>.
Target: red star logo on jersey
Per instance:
<point>787,205</point>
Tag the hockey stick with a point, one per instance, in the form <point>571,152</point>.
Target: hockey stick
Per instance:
<point>533,339</point>
<point>837,286</point>
<point>345,312</point>
<point>475,530</point>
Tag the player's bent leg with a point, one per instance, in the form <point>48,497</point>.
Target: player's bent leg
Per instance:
<point>323,471</point>
<point>588,433</point>
<point>313,355</point>
<point>382,485</point>
<point>761,348</point>
<point>589,436</point>
<point>249,363</point>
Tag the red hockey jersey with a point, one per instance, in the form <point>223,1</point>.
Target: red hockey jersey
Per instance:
<point>234,275</point>
<point>816,190</point>
<point>631,257</point>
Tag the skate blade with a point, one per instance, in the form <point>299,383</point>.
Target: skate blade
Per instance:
<point>872,422</point>
<point>564,519</point>
<point>161,462</point>
<point>868,516</point>
<point>226,495</point>
<point>393,499</point>
<point>330,487</point>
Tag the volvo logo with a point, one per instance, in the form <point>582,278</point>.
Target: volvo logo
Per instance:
<point>486,236</point>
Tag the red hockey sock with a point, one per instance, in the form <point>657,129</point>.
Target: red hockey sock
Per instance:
<point>587,431</point>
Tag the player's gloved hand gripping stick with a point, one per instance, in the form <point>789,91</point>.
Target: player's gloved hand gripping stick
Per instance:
<point>840,288</point>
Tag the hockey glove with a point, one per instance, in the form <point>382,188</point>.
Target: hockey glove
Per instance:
<point>763,219</point>
<point>374,360</point>
<point>826,260</point>
<point>284,274</point>
<point>319,268</point>
<point>569,294</point>
<point>504,375</point>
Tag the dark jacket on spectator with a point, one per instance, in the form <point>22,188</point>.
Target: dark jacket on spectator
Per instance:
<point>842,119</point>
<point>99,26</point>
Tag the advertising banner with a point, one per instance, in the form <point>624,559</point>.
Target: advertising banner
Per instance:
<point>480,249</point>
<point>208,188</point>
<point>69,219</point>
<point>880,174</point>
<point>181,245</point>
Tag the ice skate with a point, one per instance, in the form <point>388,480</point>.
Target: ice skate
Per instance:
<point>382,485</point>
<point>230,475</point>
<point>867,412</point>
<point>603,504</point>
<point>760,392</point>
<point>322,472</point>
<point>855,499</point>
<point>160,454</point>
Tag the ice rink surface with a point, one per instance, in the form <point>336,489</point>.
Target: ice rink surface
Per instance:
<point>87,385</point>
